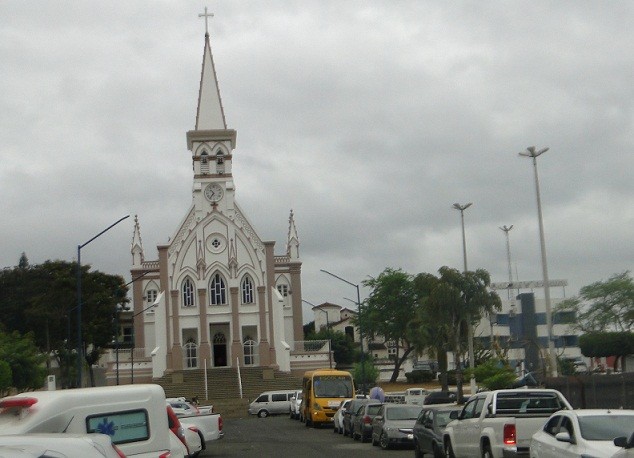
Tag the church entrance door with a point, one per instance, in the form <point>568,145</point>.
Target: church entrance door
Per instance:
<point>219,350</point>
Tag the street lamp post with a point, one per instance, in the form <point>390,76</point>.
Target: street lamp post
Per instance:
<point>363,390</point>
<point>534,154</point>
<point>327,327</point>
<point>117,323</point>
<point>79,303</point>
<point>472,383</point>
<point>506,230</point>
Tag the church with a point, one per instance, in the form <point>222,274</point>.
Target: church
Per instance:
<point>218,295</point>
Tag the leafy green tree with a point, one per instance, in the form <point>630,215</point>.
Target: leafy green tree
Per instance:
<point>604,305</point>
<point>429,328</point>
<point>387,311</point>
<point>367,369</point>
<point>343,348</point>
<point>42,298</point>
<point>598,344</point>
<point>25,361</point>
<point>6,378</point>
<point>463,298</point>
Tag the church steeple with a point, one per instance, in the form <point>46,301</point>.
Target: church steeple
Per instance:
<point>137,244</point>
<point>292,244</point>
<point>210,114</point>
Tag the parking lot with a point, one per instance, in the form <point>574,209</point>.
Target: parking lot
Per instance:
<point>281,436</point>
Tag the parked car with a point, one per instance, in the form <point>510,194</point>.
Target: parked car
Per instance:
<point>183,408</point>
<point>500,423</point>
<point>440,397</point>
<point>271,403</point>
<point>583,432</point>
<point>296,404</point>
<point>349,414</point>
<point>627,447</point>
<point>58,444</point>
<point>362,422</point>
<point>189,438</point>
<point>338,418</point>
<point>394,425</point>
<point>429,428</point>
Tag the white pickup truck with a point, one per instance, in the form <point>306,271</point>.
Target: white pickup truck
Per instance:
<point>500,423</point>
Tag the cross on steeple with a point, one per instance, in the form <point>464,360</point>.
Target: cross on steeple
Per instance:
<point>206,15</point>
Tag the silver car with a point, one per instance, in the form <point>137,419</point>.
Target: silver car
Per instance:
<point>394,425</point>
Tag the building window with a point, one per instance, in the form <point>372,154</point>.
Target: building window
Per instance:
<point>217,290</point>
<point>247,290</point>
<point>564,317</point>
<point>283,289</point>
<point>191,354</point>
<point>204,163</point>
<point>151,295</point>
<point>220,157</point>
<point>189,299</point>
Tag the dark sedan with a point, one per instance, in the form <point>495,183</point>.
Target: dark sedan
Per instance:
<point>429,429</point>
<point>393,425</point>
<point>362,423</point>
<point>350,413</point>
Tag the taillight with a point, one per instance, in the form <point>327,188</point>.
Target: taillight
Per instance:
<point>219,423</point>
<point>367,420</point>
<point>509,435</point>
<point>17,402</point>
<point>165,455</point>
<point>119,453</point>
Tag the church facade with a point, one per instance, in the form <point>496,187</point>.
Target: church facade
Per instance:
<point>217,296</point>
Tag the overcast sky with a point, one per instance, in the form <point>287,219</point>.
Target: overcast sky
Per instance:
<point>368,118</point>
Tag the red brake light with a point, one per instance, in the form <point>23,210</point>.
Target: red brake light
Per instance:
<point>165,455</point>
<point>509,434</point>
<point>193,428</point>
<point>367,420</point>
<point>17,402</point>
<point>219,423</point>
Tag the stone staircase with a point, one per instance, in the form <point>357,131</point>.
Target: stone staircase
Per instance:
<point>224,388</point>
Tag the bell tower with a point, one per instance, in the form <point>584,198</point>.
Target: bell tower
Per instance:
<point>211,143</point>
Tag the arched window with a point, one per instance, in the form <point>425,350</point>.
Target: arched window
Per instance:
<point>189,299</point>
<point>191,354</point>
<point>217,290</point>
<point>247,290</point>
<point>204,163</point>
<point>220,157</point>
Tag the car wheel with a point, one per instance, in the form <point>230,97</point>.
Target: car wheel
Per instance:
<point>374,441</point>
<point>449,450</point>
<point>436,451</point>
<point>263,413</point>
<point>384,442</point>
<point>308,422</point>
<point>486,451</point>
<point>345,431</point>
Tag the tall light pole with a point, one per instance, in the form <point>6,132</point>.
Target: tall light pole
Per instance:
<point>363,390</point>
<point>79,303</point>
<point>327,327</point>
<point>472,383</point>
<point>506,230</point>
<point>534,154</point>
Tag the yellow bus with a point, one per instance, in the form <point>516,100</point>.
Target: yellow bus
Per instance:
<point>323,391</point>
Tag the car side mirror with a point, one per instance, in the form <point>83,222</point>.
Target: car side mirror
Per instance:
<point>621,441</point>
<point>563,436</point>
<point>454,414</point>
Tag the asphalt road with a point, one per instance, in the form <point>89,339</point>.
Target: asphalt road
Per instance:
<point>279,436</point>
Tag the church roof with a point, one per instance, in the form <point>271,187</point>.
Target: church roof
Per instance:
<point>210,114</point>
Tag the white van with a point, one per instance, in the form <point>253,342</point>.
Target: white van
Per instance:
<point>272,402</point>
<point>134,416</point>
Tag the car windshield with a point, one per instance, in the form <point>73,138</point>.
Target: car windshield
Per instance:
<point>402,413</point>
<point>605,427</point>
<point>373,409</point>
<point>442,418</point>
<point>332,386</point>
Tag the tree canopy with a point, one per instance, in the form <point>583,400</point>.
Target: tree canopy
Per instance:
<point>604,306</point>
<point>388,310</point>
<point>43,299</point>
<point>21,363</point>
